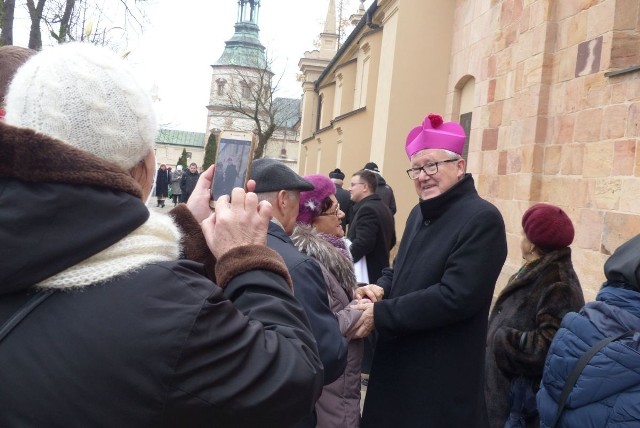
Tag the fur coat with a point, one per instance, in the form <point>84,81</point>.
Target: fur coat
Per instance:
<point>523,321</point>
<point>339,404</point>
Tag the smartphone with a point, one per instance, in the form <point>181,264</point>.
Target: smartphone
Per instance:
<point>233,166</point>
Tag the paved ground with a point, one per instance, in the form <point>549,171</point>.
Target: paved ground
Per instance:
<point>168,205</point>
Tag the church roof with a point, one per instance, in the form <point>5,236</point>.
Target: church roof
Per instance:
<point>244,48</point>
<point>180,138</point>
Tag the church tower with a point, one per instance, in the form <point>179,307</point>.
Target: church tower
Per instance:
<point>237,74</point>
<point>242,91</point>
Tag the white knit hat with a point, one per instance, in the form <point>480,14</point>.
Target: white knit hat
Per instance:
<point>85,96</point>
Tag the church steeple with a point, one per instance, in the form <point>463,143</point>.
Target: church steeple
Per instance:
<point>244,48</point>
<point>329,37</point>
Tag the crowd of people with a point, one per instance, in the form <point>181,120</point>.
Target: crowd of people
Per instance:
<point>271,309</point>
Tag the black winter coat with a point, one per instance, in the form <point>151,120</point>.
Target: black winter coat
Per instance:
<point>188,183</point>
<point>372,234</point>
<point>523,321</point>
<point>344,199</point>
<point>158,346</point>
<point>386,193</point>
<point>432,323</point>
<point>163,179</point>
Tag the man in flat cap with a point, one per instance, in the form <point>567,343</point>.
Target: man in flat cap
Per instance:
<point>279,185</point>
<point>432,320</point>
<point>342,195</point>
<point>382,189</point>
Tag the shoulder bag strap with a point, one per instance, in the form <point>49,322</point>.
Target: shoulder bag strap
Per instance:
<point>23,311</point>
<point>577,370</point>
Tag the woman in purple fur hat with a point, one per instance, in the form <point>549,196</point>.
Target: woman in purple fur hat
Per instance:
<point>319,234</point>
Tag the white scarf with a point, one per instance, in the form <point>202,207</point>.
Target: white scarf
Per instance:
<point>157,240</point>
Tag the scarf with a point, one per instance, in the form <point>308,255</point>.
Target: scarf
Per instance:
<point>155,241</point>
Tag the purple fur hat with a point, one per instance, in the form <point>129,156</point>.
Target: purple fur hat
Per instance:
<point>311,201</point>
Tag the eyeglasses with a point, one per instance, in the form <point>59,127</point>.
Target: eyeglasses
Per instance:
<point>355,184</point>
<point>429,169</point>
<point>334,212</point>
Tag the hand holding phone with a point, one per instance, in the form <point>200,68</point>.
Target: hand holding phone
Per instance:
<point>233,167</point>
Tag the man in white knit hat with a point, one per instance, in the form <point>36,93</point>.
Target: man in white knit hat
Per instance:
<point>99,324</point>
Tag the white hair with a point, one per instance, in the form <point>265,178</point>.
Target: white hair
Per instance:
<point>449,153</point>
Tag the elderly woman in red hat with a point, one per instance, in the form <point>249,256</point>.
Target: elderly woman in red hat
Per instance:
<point>527,314</point>
<point>319,234</point>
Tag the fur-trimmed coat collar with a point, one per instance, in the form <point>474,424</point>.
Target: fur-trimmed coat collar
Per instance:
<point>33,157</point>
<point>60,206</point>
<point>314,244</point>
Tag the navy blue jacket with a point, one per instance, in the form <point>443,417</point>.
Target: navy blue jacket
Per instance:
<point>310,290</point>
<point>607,393</point>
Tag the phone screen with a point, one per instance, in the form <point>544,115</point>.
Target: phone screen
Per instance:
<point>233,166</point>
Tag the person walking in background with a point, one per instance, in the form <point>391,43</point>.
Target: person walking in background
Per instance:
<point>343,196</point>
<point>319,235</point>
<point>163,178</point>
<point>11,58</point>
<point>372,231</point>
<point>230,175</point>
<point>218,181</point>
<point>113,329</point>
<point>527,314</point>
<point>176,191</point>
<point>605,394</point>
<point>277,184</point>
<point>428,368</point>
<point>188,181</point>
<point>382,189</point>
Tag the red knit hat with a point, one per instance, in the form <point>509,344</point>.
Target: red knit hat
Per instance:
<point>548,227</point>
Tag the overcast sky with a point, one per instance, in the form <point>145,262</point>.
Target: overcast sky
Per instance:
<point>186,37</point>
<point>183,38</point>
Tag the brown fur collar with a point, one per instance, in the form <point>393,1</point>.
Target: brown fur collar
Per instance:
<point>33,157</point>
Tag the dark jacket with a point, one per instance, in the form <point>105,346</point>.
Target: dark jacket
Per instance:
<point>372,234</point>
<point>606,392</point>
<point>523,321</point>
<point>160,345</point>
<point>346,204</point>
<point>188,183</point>
<point>310,289</point>
<point>339,403</point>
<point>432,323</point>
<point>386,193</point>
<point>163,178</point>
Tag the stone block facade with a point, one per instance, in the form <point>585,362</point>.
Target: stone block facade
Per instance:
<point>557,118</point>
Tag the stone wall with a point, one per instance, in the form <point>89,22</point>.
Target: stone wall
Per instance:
<point>552,121</point>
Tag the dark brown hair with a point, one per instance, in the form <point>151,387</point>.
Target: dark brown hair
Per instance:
<point>369,178</point>
<point>11,58</point>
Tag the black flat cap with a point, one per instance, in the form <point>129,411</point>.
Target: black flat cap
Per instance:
<point>272,175</point>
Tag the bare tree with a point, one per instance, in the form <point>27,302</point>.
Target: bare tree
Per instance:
<point>93,21</point>
<point>7,11</point>
<point>252,95</point>
<point>35,14</point>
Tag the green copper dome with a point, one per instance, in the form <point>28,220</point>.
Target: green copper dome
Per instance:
<point>244,48</point>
